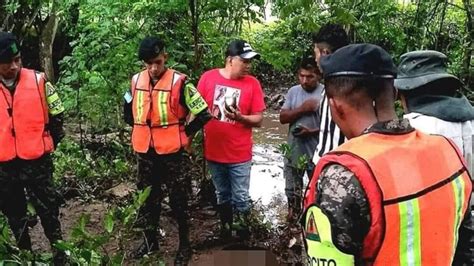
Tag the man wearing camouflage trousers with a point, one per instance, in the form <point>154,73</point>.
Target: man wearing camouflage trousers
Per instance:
<point>30,128</point>
<point>158,106</point>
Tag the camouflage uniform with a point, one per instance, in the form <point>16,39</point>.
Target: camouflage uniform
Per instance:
<point>343,200</point>
<point>36,177</point>
<point>173,170</point>
<point>19,178</point>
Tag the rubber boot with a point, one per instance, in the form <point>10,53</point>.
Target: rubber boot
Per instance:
<point>52,231</point>
<point>243,225</point>
<point>184,250</point>
<point>226,218</point>
<point>59,257</point>
<point>20,230</point>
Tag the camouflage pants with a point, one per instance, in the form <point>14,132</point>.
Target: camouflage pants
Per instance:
<point>172,170</point>
<point>34,176</point>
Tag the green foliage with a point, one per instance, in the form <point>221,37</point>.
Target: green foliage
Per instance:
<point>105,42</point>
<point>9,252</point>
<point>254,221</point>
<point>103,58</point>
<point>86,169</point>
<point>397,27</point>
<point>70,159</point>
<point>86,248</point>
<point>399,109</point>
<point>281,45</point>
<point>285,149</point>
<point>302,161</point>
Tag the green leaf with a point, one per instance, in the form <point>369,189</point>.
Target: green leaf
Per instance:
<point>109,221</point>
<point>30,209</point>
<point>143,195</point>
<point>63,245</point>
<point>117,260</point>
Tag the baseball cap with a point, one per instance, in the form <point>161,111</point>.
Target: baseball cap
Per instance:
<point>9,47</point>
<point>241,48</point>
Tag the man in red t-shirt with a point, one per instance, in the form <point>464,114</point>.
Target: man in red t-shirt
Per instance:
<point>235,99</point>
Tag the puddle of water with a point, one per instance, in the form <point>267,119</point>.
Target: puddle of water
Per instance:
<point>271,132</point>
<point>267,174</point>
<point>267,185</point>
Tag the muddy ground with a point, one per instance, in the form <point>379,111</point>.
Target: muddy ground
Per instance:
<point>267,190</point>
<point>204,228</point>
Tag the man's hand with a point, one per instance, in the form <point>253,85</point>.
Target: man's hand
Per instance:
<point>233,113</point>
<point>310,105</point>
<point>304,131</point>
<point>251,120</point>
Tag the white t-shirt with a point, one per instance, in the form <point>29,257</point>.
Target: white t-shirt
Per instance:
<point>459,132</point>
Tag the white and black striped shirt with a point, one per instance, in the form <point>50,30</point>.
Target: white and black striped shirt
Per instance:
<point>330,136</point>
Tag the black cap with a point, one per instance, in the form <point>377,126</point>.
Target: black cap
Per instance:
<point>241,48</point>
<point>9,47</point>
<point>150,47</point>
<point>419,68</point>
<point>359,60</point>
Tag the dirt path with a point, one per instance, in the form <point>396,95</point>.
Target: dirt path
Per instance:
<point>204,224</point>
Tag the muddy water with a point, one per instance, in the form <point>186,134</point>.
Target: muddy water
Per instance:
<point>267,185</point>
<point>271,132</point>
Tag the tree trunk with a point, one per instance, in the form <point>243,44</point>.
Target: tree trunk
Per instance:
<point>468,75</point>
<point>441,22</point>
<point>194,8</point>
<point>47,37</point>
<point>4,16</point>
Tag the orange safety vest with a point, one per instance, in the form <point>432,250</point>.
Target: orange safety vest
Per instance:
<point>24,118</point>
<point>158,116</point>
<point>418,192</point>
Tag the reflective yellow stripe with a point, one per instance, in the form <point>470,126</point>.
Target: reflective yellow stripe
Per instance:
<point>410,249</point>
<point>163,107</point>
<point>458,189</point>
<point>139,107</point>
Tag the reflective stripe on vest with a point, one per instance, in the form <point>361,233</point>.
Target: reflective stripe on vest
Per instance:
<point>158,115</point>
<point>410,250</point>
<point>23,119</point>
<point>318,240</point>
<point>405,177</point>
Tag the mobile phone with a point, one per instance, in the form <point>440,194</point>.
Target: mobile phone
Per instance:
<point>296,130</point>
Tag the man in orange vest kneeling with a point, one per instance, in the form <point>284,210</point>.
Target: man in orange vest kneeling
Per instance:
<point>30,127</point>
<point>391,195</point>
<point>160,102</point>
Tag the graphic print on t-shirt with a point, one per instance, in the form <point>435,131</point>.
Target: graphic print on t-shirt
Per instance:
<point>224,97</point>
